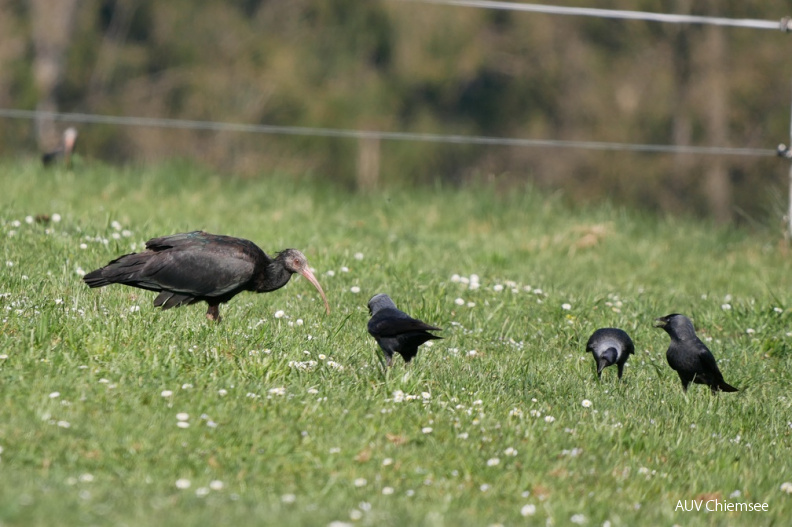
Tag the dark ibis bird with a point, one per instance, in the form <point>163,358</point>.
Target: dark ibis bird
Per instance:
<point>395,331</point>
<point>690,357</point>
<point>64,150</point>
<point>610,346</point>
<point>197,266</point>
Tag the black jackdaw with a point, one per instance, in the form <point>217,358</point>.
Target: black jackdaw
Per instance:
<point>395,331</point>
<point>691,359</point>
<point>610,346</point>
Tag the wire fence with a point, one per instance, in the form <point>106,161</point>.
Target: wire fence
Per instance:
<point>155,122</point>
<point>784,24</point>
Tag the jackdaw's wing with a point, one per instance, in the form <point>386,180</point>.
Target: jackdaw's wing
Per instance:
<point>391,324</point>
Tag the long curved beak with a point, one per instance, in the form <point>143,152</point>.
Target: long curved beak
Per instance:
<point>311,278</point>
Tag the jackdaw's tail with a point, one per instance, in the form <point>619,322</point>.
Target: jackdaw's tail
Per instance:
<point>722,386</point>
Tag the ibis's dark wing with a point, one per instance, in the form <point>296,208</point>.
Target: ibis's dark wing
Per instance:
<point>198,273</point>
<point>194,239</point>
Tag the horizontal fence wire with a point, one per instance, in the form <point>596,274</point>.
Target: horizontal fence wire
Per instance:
<point>783,24</point>
<point>155,122</point>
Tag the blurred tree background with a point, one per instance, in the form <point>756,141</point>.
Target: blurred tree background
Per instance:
<point>404,66</point>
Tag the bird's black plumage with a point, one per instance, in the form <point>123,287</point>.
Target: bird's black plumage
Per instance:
<point>610,346</point>
<point>690,357</point>
<point>395,331</point>
<point>197,266</point>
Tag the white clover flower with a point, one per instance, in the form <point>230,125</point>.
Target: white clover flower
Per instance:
<point>474,285</point>
<point>750,331</point>
<point>426,430</point>
<point>216,484</point>
<point>166,393</point>
<point>58,301</point>
<point>183,483</point>
<point>64,424</point>
<point>114,224</point>
<point>186,386</point>
<point>299,322</point>
<point>344,269</point>
<point>29,219</point>
<point>778,310</point>
<point>279,313</point>
<point>387,461</point>
<point>497,288</point>
<point>510,451</point>
<point>56,217</point>
<point>566,307</point>
<point>134,309</point>
<point>492,462</point>
<point>463,435</point>
<point>535,413</point>
<point>222,392</point>
<point>288,498</point>
<point>54,395</point>
<point>459,302</point>
<point>735,494</point>
<point>586,403</point>
<point>330,273</point>
<point>455,278</point>
<point>471,304</point>
<point>528,510</point>
<point>549,419</point>
<point>358,256</point>
<point>484,487</point>
<point>354,289</point>
<point>183,424</point>
<point>83,246</point>
<point>360,482</point>
<point>277,391</point>
<point>182,416</point>
<point>387,491</point>
<point>725,307</point>
<point>578,519</point>
<point>786,487</point>
<point>86,478</point>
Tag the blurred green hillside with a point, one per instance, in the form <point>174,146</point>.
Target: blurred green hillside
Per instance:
<point>406,66</point>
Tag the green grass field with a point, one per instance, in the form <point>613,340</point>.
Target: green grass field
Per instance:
<point>115,413</point>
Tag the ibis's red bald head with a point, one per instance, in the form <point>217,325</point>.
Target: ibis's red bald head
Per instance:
<point>296,262</point>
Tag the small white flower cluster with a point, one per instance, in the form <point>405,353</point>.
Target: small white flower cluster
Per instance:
<point>472,282</point>
<point>307,365</point>
<point>399,396</point>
